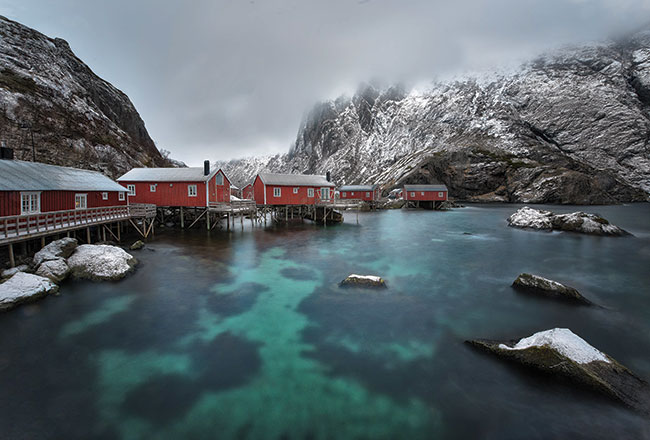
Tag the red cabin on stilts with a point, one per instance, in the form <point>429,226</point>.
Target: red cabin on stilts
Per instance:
<point>368,193</point>
<point>292,189</point>
<point>247,192</point>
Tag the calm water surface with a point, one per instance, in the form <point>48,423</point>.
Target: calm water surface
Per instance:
<point>246,334</point>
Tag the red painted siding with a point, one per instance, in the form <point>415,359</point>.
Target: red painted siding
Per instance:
<point>368,196</point>
<point>425,195</point>
<point>57,201</point>
<point>167,193</point>
<point>247,192</point>
<point>287,194</point>
<point>223,191</point>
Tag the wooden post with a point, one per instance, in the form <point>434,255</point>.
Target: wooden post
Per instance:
<point>12,260</point>
<point>182,219</point>
<point>227,221</point>
<point>207,220</point>
<point>103,233</point>
<point>119,237</point>
<point>42,242</point>
<point>88,235</point>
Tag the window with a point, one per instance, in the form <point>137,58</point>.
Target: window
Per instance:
<point>351,193</point>
<point>30,203</point>
<point>104,196</point>
<point>80,201</point>
<point>324,193</point>
<point>191,190</point>
<point>441,194</point>
<point>367,194</point>
<point>120,196</point>
<point>295,190</point>
<point>310,192</point>
<point>421,193</point>
<point>219,179</point>
<point>344,195</point>
<point>152,188</point>
<point>277,192</point>
<point>412,194</point>
<point>131,189</point>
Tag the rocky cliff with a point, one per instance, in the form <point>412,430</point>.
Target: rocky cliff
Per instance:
<point>568,127</point>
<point>55,109</point>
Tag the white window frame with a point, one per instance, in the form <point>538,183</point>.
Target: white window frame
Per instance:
<point>219,179</point>
<point>310,192</point>
<point>367,194</point>
<point>352,193</point>
<point>412,194</point>
<point>295,190</point>
<point>324,191</point>
<point>152,188</point>
<point>441,194</point>
<point>104,196</point>
<point>343,194</point>
<point>421,193</point>
<point>33,202</point>
<point>131,189</point>
<point>78,197</point>
<point>192,191</point>
<point>121,196</point>
<point>277,191</point>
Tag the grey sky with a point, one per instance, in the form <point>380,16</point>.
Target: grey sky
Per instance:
<point>227,79</point>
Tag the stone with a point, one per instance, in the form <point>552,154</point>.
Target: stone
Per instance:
<point>24,287</point>
<point>137,245</point>
<point>10,272</point>
<point>62,248</point>
<point>581,222</point>
<point>55,270</point>
<point>537,285</point>
<point>368,281</point>
<point>560,352</point>
<point>101,262</point>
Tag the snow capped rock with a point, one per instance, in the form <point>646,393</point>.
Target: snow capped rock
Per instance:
<point>101,262</point>
<point>23,287</point>
<point>9,272</point>
<point>354,280</point>
<point>55,270</point>
<point>62,248</point>
<point>572,222</point>
<point>565,342</point>
<point>543,286</point>
<point>531,218</point>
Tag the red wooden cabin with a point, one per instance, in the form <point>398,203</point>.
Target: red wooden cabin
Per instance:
<point>292,189</point>
<point>368,193</point>
<point>189,187</point>
<point>435,193</point>
<point>29,188</point>
<point>247,192</point>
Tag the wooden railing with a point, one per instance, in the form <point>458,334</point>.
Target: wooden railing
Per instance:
<point>24,226</point>
<point>146,210</point>
<point>237,205</point>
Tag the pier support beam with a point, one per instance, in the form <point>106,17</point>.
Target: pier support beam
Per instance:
<point>182,219</point>
<point>12,259</point>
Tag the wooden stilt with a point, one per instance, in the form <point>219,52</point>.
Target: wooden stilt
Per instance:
<point>182,219</point>
<point>207,221</point>
<point>103,233</point>
<point>119,236</point>
<point>88,235</point>
<point>12,260</point>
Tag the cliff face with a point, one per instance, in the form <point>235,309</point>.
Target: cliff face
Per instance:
<point>75,117</point>
<point>569,127</point>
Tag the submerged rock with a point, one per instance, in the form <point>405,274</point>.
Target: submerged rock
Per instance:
<point>101,262</point>
<point>137,245</point>
<point>355,280</point>
<point>62,248</point>
<point>55,270</point>
<point>560,352</point>
<point>573,222</point>
<point>543,286</point>
<point>23,287</point>
<point>10,272</point>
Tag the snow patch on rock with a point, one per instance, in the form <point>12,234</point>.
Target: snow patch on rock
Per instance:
<point>531,218</point>
<point>10,272</point>
<point>101,262</point>
<point>56,270</point>
<point>62,248</point>
<point>23,287</point>
<point>565,342</point>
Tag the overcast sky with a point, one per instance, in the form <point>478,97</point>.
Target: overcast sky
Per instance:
<point>227,79</point>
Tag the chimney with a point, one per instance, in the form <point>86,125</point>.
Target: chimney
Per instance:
<point>206,167</point>
<point>5,152</point>
<point>328,176</point>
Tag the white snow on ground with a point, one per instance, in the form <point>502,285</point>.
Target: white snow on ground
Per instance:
<point>100,262</point>
<point>565,342</point>
<point>374,278</point>
<point>22,286</point>
<point>234,199</point>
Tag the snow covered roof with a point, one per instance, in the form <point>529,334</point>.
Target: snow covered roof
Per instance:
<point>18,175</point>
<point>358,188</point>
<point>192,174</point>
<point>294,179</point>
<point>425,188</point>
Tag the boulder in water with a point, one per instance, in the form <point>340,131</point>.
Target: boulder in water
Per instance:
<point>55,270</point>
<point>10,272</point>
<point>355,280</point>
<point>23,287</point>
<point>101,262</point>
<point>137,245</point>
<point>62,248</point>
<point>581,222</point>
<point>560,352</point>
<point>544,287</point>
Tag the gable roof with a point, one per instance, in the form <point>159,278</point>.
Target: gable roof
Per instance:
<point>360,188</point>
<point>294,179</point>
<point>18,175</point>
<point>437,187</point>
<point>191,174</point>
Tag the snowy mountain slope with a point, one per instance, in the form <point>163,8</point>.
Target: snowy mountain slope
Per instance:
<point>569,127</point>
<point>76,118</point>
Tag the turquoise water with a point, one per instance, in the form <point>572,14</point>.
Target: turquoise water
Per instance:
<point>245,334</point>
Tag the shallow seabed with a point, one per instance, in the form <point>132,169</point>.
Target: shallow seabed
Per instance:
<point>245,334</point>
